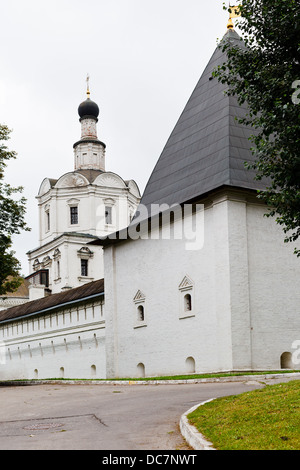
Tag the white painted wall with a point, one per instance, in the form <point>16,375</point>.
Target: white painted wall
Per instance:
<point>40,347</point>
<point>274,286</point>
<point>168,338</point>
<point>245,296</point>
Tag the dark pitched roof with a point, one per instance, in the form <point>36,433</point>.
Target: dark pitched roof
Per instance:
<point>53,302</point>
<point>207,148</point>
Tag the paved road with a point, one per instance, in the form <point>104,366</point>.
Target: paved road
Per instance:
<point>101,417</point>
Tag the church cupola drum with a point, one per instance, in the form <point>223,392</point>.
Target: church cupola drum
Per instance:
<point>89,152</point>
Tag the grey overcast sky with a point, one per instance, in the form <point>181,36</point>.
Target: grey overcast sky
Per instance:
<point>144,58</point>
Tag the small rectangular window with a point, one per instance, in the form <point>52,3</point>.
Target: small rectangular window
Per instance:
<point>74,215</point>
<point>108,215</point>
<point>47,220</point>
<point>84,267</point>
<point>58,269</point>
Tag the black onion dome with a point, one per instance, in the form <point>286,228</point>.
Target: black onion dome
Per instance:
<point>88,108</point>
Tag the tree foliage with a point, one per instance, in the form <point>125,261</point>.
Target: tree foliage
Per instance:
<point>12,220</point>
<point>263,73</point>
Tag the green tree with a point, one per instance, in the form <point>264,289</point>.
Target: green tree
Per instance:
<point>12,220</point>
<point>263,72</point>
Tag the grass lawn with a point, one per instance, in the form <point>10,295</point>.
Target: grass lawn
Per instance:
<point>174,377</point>
<point>265,419</point>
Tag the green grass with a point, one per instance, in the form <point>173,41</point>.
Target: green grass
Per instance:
<point>176,377</point>
<point>209,376</point>
<point>265,419</point>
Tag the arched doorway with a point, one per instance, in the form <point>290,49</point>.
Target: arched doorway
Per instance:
<point>190,365</point>
<point>141,370</point>
<point>286,360</point>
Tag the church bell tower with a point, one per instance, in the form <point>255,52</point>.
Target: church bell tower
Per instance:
<point>89,152</point>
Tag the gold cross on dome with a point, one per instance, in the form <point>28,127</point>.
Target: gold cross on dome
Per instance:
<point>88,85</point>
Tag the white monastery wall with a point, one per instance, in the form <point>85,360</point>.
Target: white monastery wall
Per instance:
<point>169,340</point>
<point>274,285</point>
<point>244,288</point>
<point>68,343</point>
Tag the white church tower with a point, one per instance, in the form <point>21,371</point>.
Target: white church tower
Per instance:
<point>81,205</point>
<point>89,152</point>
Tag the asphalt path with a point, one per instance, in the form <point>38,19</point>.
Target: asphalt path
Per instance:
<point>102,417</point>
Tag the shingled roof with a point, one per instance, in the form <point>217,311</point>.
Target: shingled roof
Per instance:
<point>207,148</point>
<point>53,302</point>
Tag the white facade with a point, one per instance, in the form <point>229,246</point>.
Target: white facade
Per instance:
<point>68,261</point>
<point>69,342</point>
<point>78,204</point>
<point>242,289</point>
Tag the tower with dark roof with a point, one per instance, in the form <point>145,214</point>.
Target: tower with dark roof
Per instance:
<point>212,285</point>
<point>208,147</point>
<point>89,152</point>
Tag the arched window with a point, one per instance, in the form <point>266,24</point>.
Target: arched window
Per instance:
<point>140,318</point>
<point>93,370</point>
<point>140,313</point>
<point>187,303</point>
<point>61,373</point>
<point>186,289</point>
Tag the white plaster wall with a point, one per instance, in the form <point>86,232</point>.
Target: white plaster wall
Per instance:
<point>240,322</point>
<point>246,296</point>
<point>274,282</point>
<point>40,347</point>
<point>156,268</point>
